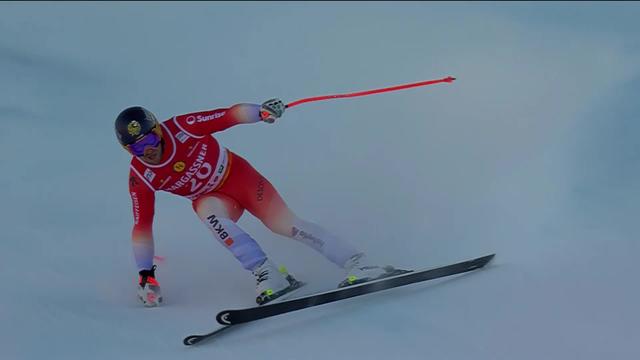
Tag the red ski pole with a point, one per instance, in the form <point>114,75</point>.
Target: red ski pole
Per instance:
<point>448,79</point>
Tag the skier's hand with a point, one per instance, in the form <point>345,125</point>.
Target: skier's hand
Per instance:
<point>271,110</point>
<point>149,288</point>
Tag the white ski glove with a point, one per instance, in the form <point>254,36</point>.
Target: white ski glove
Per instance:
<point>271,110</point>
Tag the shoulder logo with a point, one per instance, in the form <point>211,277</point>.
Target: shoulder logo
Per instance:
<point>191,119</point>
<point>179,166</point>
<point>149,175</point>
<point>182,137</point>
<point>134,128</point>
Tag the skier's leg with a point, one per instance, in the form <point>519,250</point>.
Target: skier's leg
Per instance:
<point>220,213</point>
<point>259,197</point>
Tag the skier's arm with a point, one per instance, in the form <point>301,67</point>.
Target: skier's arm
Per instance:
<point>143,204</point>
<point>208,122</point>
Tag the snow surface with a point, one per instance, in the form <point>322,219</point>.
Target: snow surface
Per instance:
<point>532,154</point>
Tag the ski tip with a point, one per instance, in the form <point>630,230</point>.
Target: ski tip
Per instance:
<point>482,261</point>
<point>191,340</point>
<point>223,318</point>
<point>490,256</point>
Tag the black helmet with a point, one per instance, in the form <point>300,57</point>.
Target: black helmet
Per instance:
<point>135,122</point>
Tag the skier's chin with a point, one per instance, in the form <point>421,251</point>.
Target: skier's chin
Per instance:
<point>152,158</point>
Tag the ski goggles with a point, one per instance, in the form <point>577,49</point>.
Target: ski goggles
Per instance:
<point>151,139</point>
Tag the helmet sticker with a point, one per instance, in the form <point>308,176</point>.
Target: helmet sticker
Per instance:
<point>134,128</point>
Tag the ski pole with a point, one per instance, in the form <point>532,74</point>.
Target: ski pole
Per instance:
<point>448,79</point>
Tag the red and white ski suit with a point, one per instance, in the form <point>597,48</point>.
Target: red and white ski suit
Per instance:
<point>221,185</point>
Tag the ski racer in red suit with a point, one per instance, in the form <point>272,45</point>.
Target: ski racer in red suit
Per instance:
<point>181,156</point>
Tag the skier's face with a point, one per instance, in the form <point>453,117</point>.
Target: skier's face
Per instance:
<point>152,154</point>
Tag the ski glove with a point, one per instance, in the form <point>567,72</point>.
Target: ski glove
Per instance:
<point>148,288</point>
<point>271,110</point>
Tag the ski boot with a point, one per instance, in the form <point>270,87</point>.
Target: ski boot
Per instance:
<point>272,283</point>
<point>359,271</point>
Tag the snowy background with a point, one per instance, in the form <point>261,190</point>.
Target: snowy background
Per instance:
<point>532,153</point>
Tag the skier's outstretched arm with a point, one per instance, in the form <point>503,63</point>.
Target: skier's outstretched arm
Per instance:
<point>210,121</point>
<point>143,205</point>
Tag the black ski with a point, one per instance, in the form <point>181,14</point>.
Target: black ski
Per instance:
<point>263,299</point>
<point>194,339</point>
<point>231,318</point>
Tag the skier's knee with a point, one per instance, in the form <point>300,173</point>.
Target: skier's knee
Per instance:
<point>220,205</point>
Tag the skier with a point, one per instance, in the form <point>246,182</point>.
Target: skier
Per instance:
<point>179,156</point>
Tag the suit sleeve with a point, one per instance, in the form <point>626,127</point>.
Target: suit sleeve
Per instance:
<point>211,121</point>
<point>143,206</point>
